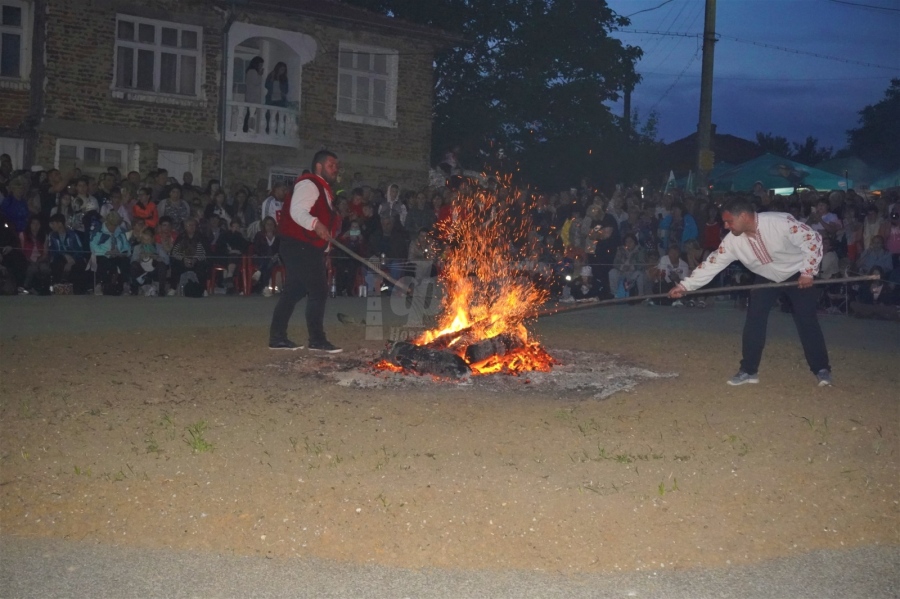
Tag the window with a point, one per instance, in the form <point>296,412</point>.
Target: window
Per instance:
<point>15,38</point>
<point>367,85</point>
<point>89,156</point>
<point>282,175</point>
<point>157,56</point>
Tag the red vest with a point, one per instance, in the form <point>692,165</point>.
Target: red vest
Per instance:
<point>320,210</point>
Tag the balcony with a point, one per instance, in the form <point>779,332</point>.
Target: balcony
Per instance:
<point>263,124</point>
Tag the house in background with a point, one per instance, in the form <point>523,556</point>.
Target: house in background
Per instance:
<point>163,83</point>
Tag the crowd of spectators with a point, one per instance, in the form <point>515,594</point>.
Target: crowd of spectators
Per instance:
<point>109,234</point>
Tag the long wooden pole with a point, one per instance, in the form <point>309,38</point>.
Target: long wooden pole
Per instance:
<point>640,298</point>
<point>369,265</point>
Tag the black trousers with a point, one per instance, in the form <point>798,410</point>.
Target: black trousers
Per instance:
<point>305,276</point>
<point>804,302</point>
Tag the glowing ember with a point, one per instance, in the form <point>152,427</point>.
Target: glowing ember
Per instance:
<point>485,298</point>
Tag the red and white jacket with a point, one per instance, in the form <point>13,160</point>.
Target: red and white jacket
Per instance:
<point>312,201</point>
<point>781,248</point>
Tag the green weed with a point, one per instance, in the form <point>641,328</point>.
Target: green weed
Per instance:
<point>197,442</point>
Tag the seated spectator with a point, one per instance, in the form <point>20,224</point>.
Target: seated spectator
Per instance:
<point>175,208</point>
<point>271,206</point>
<point>418,215</point>
<point>14,207</point>
<point>393,207</point>
<point>878,299</point>
<point>189,256</point>
<point>585,287</point>
<point>244,207</point>
<point>231,247</point>
<point>670,271</point>
<point>628,267</point>
<point>218,208</point>
<point>111,247</point>
<point>830,267</point>
<point>87,208</point>
<point>149,266</point>
<point>145,208</point>
<point>265,254</point>
<point>346,268</point>
<point>873,225</point>
<point>68,254</point>
<point>115,204</point>
<point>166,234</point>
<point>874,256</point>
<point>35,249</point>
<point>65,209</point>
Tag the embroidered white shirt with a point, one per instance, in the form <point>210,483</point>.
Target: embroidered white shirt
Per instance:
<point>781,248</point>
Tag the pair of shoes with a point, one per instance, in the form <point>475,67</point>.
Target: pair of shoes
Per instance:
<point>690,303</point>
<point>284,344</point>
<point>824,378</point>
<point>678,304</point>
<point>648,302</point>
<point>325,346</point>
<point>742,378</point>
<point>267,292</point>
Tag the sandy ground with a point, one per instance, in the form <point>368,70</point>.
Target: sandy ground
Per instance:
<point>123,424</point>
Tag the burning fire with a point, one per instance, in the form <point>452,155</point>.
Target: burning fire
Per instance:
<point>485,297</point>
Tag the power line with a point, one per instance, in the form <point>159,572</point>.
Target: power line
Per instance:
<point>865,5</point>
<point>647,9</point>
<point>764,45</point>
<point>677,79</point>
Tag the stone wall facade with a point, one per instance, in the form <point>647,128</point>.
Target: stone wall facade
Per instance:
<point>80,100</point>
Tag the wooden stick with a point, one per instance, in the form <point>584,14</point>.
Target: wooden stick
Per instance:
<point>369,265</point>
<point>722,290</point>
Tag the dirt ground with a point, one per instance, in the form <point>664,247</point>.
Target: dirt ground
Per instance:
<point>199,438</point>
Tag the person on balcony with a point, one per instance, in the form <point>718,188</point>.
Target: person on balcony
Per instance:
<point>277,86</point>
<point>253,95</point>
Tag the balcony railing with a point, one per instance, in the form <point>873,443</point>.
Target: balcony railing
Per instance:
<point>263,124</point>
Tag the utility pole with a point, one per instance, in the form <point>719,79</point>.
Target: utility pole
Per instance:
<point>627,111</point>
<point>705,158</point>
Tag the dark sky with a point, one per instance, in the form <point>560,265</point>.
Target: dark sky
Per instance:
<point>773,90</point>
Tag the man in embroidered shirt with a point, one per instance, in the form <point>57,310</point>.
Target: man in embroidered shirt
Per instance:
<point>308,222</point>
<point>776,247</point>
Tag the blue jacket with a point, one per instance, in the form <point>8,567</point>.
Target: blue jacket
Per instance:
<point>15,211</point>
<point>69,244</point>
<point>101,241</point>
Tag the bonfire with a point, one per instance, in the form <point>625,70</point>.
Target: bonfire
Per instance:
<point>481,328</point>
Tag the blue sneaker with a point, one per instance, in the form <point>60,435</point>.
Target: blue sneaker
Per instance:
<point>824,378</point>
<point>742,378</point>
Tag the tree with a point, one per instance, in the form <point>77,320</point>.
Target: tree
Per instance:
<point>773,144</point>
<point>877,139</point>
<point>532,81</point>
<point>810,153</point>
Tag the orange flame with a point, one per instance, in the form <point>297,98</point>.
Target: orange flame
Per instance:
<point>485,295</point>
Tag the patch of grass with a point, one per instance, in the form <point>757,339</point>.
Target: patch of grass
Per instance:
<point>82,472</point>
<point>662,490</point>
<point>153,445</point>
<point>167,423</point>
<point>197,442</point>
<point>737,444</point>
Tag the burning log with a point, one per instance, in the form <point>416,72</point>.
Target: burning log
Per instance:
<point>499,345</point>
<point>428,360</point>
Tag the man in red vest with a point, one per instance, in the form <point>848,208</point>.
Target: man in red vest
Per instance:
<point>308,221</point>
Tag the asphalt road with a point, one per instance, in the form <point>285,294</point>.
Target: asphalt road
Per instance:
<point>49,568</point>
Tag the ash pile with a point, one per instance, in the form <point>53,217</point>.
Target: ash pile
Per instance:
<point>594,375</point>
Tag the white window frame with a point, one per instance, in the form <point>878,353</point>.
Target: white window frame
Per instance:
<point>158,49</point>
<point>391,78</point>
<point>287,174</point>
<point>80,146</point>
<point>25,41</point>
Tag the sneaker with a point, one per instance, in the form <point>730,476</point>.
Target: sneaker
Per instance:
<point>171,293</point>
<point>648,302</point>
<point>678,304</point>
<point>742,378</point>
<point>98,289</point>
<point>325,346</point>
<point>267,292</point>
<point>701,304</point>
<point>256,276</point>
<point>824,378</point>
<point>284,344</point>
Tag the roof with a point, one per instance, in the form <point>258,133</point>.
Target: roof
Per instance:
<point>775,172</point>
<point>339,12</point>
<point>681,155</point>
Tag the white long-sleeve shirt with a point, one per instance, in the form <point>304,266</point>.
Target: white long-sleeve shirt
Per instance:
<point>781,248</point>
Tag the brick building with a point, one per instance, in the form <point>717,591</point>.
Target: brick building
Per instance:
<point>142,84</point>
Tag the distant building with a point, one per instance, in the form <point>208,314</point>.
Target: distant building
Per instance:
<point>142,84</point>
<point>681,156</point>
